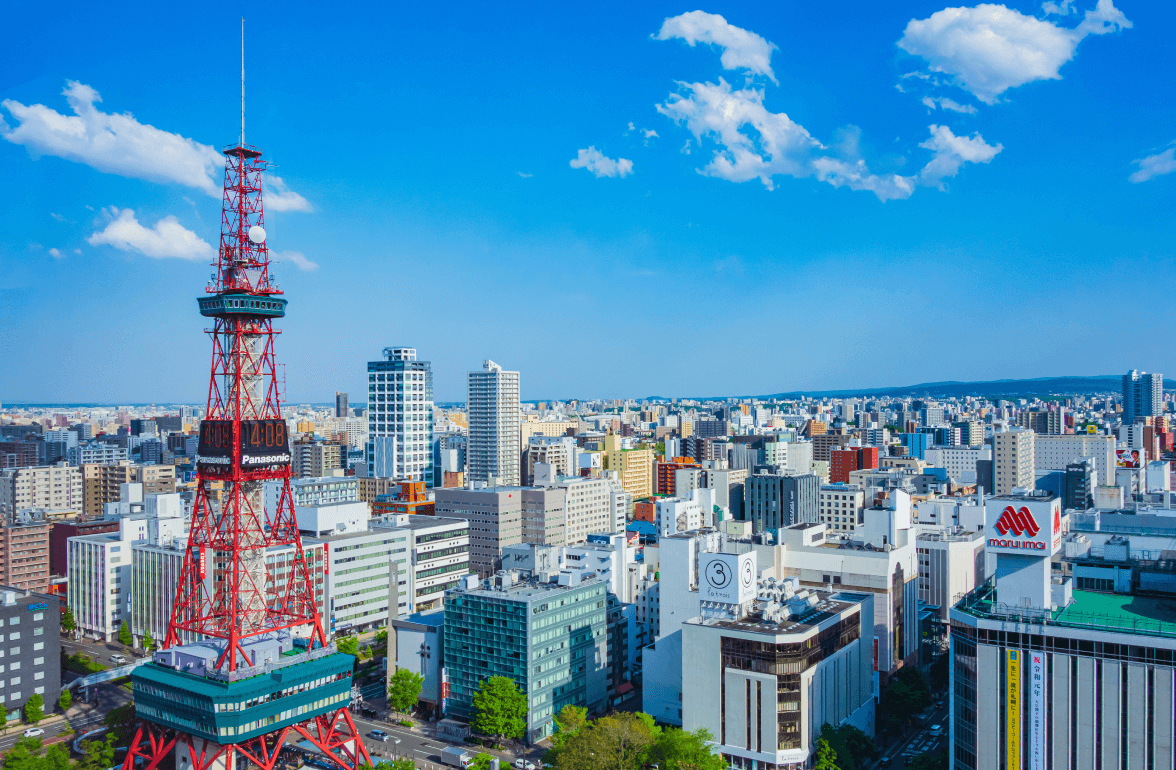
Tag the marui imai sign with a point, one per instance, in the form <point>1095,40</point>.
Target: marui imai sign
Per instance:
<point>1023,525</point>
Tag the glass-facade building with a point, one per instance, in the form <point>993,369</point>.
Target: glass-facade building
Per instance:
<point>550,639</point>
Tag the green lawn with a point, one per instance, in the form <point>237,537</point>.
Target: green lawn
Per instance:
<point>1145,613</point>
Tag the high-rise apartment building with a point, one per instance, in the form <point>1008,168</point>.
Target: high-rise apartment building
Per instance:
<point>103,483</point>
<point>493,408</point>
<point>24,555</point>
<point>634,467</point>
<point>971,432</point>
<point>341,409</point>
<point>49,486</point>
<point>400,417</point>
<point>1012,460</point>
<point>1143,395</point>
<point>317,459</point>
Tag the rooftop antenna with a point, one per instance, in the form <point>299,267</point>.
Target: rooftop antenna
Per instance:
<point>242,81</point>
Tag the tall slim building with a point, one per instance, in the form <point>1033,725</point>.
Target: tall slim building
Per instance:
<point>1143,395</point>
<point>341,405</point>
<point>493,404</point>
<point>400,417</point>
<point>1012,458</point>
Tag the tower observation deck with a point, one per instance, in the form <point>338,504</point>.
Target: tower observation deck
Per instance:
<point>263,669</point>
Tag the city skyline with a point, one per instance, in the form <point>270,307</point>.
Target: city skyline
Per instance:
<point>468,206</point>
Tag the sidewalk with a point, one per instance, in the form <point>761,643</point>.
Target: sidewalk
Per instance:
<point>52,725</point>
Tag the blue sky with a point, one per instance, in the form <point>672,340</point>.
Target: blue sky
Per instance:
<point>616,200</point>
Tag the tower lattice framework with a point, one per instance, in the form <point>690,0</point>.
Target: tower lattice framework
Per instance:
<point>226,592</point>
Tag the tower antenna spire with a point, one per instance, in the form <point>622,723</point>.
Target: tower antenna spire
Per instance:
<point>242,81</point>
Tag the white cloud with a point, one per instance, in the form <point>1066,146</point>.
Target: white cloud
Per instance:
<point>278,197</point>
<point>113,143</point>
<point>119,144</point>
<point>600,164</point>
<point>755,143</point>
<point>1065,9</point>
<point>524,175</point>
<point>55,253</point>
<point>1155,165</point>
<point>168,238</point>
<point>297,258</point>
<point>988,49</point>
<point>649,133</point>
<point>948,104</point>
<point>951,153</point>
<point>741,49</point>
<point>58,217</point>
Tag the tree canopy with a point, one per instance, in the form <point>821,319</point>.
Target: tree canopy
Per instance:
<point>404,690</point>
<point>500,709</point>
<point>24,755</point>
<point>348,644</point>
<point>67,621</point>
<point>826,756</point>
<point>851,745</point>
<point>34,708</point>
<point>481,761</point>
<point>124,634</point>
<point>678,749</point>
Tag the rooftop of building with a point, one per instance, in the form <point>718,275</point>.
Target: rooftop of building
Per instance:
<point>828,604</point>
<point>1089,611</point>
<point>526,589</point>
<point>1040,498</point>
<point>433,522</point>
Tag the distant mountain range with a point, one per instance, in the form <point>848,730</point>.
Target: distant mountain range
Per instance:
<point>1040,386</point>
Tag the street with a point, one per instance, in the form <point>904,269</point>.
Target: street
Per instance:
<point>916,741</point>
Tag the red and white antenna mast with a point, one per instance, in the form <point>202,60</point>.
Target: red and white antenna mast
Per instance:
<point>229,600</point>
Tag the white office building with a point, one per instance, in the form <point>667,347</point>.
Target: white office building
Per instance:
<point>958,461</point>
<point>1054,453</point>
<point>400,417</point>
<point>494,438</point>
<point>685,514</point>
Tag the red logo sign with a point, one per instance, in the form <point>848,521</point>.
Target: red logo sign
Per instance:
<point>1018,522</point>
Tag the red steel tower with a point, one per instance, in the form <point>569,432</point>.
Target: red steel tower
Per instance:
<point>246,662</point>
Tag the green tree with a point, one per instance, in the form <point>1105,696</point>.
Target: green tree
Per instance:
<point>400,763</point>
<point>852,746</point>
<point>66,700</point>
<point>568,721</point>
<point>616,742</point>
<point>35,708</point>
<point>124,635</point>
<point>56,758</point>
<point>921,691</point>
<point>348,644</point>
<point>500,709</point>
<point>677,749</point>
<point>929,761</point>
<point>67,621</point>
<point>121,722</point>
<point>404,690</point>
<point>148,641</point>
<point>481,761</point>
<point>97,755</point>
<point>23,755</point>
<point>826,756</point>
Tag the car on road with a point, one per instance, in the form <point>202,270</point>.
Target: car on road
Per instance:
<point>524,764</point>
<point>33,732</point>
<point>119,659</point>
<point>884,762</point>
<point>379,735</point>
<point>936,730</point>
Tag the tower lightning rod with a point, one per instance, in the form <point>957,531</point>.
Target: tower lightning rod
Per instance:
<point>242,81</point>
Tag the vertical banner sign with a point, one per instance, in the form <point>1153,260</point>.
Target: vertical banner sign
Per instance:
<point>1037,711</point>
<point>444,690</point>
<point>203,565</point>
<point>1013,711</point>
